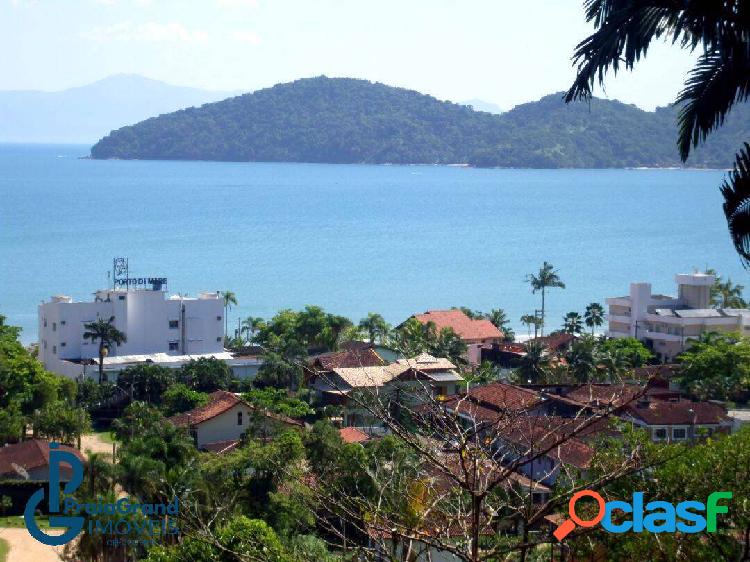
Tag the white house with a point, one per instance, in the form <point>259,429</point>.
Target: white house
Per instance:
<point>161,329</point>
<point>666,323</point>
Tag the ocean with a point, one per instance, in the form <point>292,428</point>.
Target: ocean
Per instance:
<point>352,238</point>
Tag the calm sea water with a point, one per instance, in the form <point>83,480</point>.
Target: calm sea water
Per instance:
<point>354,239</point>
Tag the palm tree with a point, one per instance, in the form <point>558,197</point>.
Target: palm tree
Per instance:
<point>533,365</point>
<point>498,317</point>
<point>546,278</point>
<point>229,299</point>
<point>572,323</point>
<point>108,335</point>
<point>250,325</point>
<point>531,320</point>
<point>594,316</point>
<point>375,326</point>
<point>625,30</point>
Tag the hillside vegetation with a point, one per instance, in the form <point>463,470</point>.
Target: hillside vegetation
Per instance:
<point>343,120</point>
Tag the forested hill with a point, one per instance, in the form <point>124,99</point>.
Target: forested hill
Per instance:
<point>343,120</point>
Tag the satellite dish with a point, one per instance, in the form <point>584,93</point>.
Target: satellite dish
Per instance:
<point>21,471</point>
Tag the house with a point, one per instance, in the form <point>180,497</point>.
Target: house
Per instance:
<point>437,377</point>
<point>666,324</point>
<point>476,334</point>
<point>224,419</point>
<point>29,460</point>
<point>353,435</point>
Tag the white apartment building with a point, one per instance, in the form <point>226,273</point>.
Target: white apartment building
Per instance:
<point>162,329</point>
<point>665,323</point>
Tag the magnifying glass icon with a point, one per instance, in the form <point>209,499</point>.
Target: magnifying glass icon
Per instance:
<point>568,525</point>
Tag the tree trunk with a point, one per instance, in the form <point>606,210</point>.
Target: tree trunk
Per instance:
<point>541,329</point>
<point>476,508</point>
<point>101,361</point>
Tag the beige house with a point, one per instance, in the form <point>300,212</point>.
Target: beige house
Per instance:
<point>665,323</point>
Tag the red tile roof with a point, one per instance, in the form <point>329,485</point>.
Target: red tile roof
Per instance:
<point>28,455</point>
<point>681,412</point>
<point>505,396</point>
<point>350,358</point>
<point>218,403</point>
<point>353,435</point>
<point>465,327</point>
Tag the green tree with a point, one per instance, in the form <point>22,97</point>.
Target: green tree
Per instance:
<point>625,30</point>
<point>146,382</point>
<point>547,278</point>
<point>717,367</point>
<point>108,335</point>
<point>376,327</point>
<point>179,398</point>
<point>498,317</point>
<point>533,365</point>
<point>572,323</point>
<point>61,422</point>
<point>206,374</point>
<point>229,299</point>
<point>632,350</point>
<point>277,401</point>
<point>582,360</point>
<point>725,294</point>
<point>250,326</point>
<point>594,316</point>
<point>531,320</point>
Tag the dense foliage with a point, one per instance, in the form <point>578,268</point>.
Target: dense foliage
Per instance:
<point>343,120</point>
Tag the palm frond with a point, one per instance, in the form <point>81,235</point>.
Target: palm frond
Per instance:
<point>736,192</point>
<point>719,80</point>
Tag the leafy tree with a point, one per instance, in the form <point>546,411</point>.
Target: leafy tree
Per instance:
<point>498,317</point>
<point>717,367</point>
<point>413,338</point>
<point>206,374</point>
<point>572,323</point>
<point>108,335</point>
<point>135,420</point>
<point>547,278</point>
<point>632,350</point>
<point>533,364</point>
<point>250,326</point>
<point>146,382</point>
<point>594,316</point>
<point>280,371</point>
<point>277,401</point>
<point>61,422</point>
<point>624,31</point>
<point>376,327</point>
<point>179,398</point>
<point>582,360</point>
<point>725,294</point>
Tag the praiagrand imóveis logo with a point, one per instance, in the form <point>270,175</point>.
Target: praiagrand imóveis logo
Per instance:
<point>619,516</point>
<point>67,512</point>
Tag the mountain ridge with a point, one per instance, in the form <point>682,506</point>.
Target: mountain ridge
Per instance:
<point>345,120</point>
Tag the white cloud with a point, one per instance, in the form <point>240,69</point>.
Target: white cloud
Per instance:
<point>151,32</point>
<point>246,37</point>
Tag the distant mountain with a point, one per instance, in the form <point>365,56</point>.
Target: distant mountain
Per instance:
<point>343,120</point>
<point>86,113</point>
<point>481,105</point>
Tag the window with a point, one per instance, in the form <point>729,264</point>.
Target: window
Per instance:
<point>45,322</point>
<point>174,324</point>
<point>218,339</point>
<point>174,346</point>
<point>660,434</point>
<point>218,318</point>
<point>121,297</point>
<point>54,326</point>
<point>54,349</point>
<point>239,418</point>
<point>62,322</point>
<point>63,344</point>
<point>679,433</point>
<point>45,344</point>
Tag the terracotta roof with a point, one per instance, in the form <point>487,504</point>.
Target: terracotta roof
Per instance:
<point>28,455</point>
<point>505,396</point>
<point>362,357</point>
<point>221,447</point>
<point>218,403</point>
<point>604,394</point>
<point>556,342</point>
<point>353,435</point>
<point>465,327</point>
<point>368,377</point>
<point>679,412</point>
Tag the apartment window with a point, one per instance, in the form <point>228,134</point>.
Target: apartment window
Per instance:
<point>62,322</point>
<point>239,418</point>
<point>218,339</point>
<point>218,318</point>
<point>174,324</point>
<point>45,344</point>
<point>679,433</point>
<point>174,346</point>
<point>45,322</point>
<point>121,297</point>
<point>54,349</point>
<point>54,326</point>
<point>63,344</point>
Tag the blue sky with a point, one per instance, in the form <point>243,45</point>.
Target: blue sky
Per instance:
<point>502,51</point>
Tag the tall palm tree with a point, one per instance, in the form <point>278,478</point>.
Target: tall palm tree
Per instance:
<point>720,30</point>
<point>108,335</point>
<point>229,299</point>
<point>594,316</point>
<point>531,320</point>
<point>546,278</point>
<point>250,325</point>
<point>572,323</point>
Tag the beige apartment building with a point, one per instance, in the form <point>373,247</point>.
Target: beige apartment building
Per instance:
<point>665,323</point>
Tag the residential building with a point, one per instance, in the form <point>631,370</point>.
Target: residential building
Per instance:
<point>476,334</point>
<point>29,460</point>
<point>665,323</point>
<point>220,423</point>
<point>161,329</point>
